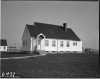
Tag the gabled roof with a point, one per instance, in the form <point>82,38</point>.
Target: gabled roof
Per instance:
<point>51,31</point>
<point>3,42</point>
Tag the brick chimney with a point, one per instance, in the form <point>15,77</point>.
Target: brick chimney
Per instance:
<point>65,26</point>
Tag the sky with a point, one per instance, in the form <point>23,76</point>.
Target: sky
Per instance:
<point>81,16</point>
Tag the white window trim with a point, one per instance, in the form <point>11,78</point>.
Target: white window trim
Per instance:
<point>45,42</point>
<point>53,43</point>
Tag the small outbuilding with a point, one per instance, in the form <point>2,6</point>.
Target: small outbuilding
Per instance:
<point>3,45</point>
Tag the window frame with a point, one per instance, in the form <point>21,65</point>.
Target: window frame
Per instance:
<point>23,43</point>
<point>53,43</point>
<point>4,47</point>
<point>26,43</point>
<point>74,43</point>
<point>67,44</point>
<point>46,43</point>
<point>61,43</point>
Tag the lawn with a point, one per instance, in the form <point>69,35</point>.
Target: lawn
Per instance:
<point>15,54</point>
<point>54,66</point>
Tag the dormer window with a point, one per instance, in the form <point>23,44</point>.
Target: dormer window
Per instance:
<point>40,37</point>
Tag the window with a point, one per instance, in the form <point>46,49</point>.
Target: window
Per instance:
<point>46,42</point>
<point>67,44</point>
<point>26,43</point>
<point>23,43</point>
<point>4,47</point>
<point>39,41</point>
<point>41,37</point>
<point>61,44</point>
<point>53,43</point>
<point>74,43</point>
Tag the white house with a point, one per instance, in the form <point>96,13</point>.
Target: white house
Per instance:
<point>50,38</point>
<point>3,45</point>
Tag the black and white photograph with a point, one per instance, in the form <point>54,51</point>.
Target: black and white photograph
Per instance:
<point>49,39</point>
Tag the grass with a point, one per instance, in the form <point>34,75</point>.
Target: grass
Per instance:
<point>55,66</point>
<point>16,54</point>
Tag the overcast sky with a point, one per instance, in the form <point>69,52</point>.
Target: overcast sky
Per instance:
<point>82,17</point>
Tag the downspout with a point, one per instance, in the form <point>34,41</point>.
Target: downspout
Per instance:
<point>57,46</point>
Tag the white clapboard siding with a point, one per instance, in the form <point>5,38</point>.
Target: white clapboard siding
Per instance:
<point>58,47</point>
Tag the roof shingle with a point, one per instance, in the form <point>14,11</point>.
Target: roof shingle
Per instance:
<point>52,31</point>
